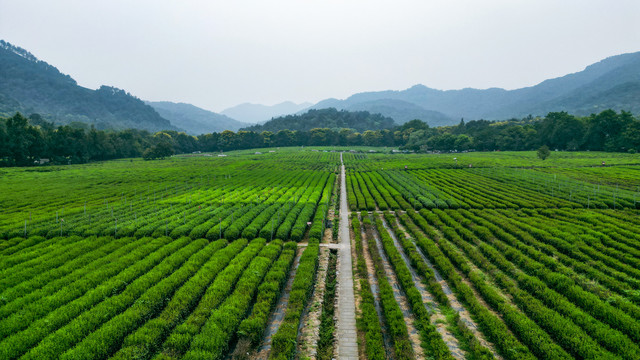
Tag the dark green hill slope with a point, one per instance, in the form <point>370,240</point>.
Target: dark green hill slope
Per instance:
<point>29,85</point>
<point>326,118</point>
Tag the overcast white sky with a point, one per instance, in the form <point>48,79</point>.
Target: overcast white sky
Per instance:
<point>216,54</point>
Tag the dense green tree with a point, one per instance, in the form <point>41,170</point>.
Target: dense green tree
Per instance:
<point>267,138</point>
<point>372,138</point>
<point>602,130</point>
<point>227,140</point>
<point>284,138</point>
<point>562,131</point>
<point>631,137</point>
<point>4,151</point>
<point>248,140</point>
<point>209,142</point>
<point>543,152</point>
<point>19,139</point>
<point>463,142</point>
<point>320,136</point>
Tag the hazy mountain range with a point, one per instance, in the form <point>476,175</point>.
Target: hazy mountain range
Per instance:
<point>255,113</point>
<point>30,85</point>
<point>611,83</point>
<point>194,119</point>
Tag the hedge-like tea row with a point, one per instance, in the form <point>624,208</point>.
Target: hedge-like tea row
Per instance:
<point>567,251</point>
<point>564,249</point>
<point>56,343</point>
<point>566,333</point>
<point>252,328</point>
<point>465,336</point>
<point>375,182</point>
<point>351,194</point>
<point>373,190</point>
<point>394,317</point>
<point>528,331</point>
<point>107,338</point>
<point>312,207</point>
<point>316,232</point>
<point>15,244</point>
<point>173,210</point>
<point>299,214</point>
<point>609,338</point>
<point>21,312</point>
<point>369,202</point>
<point>51,313</point>
<point>432,342</point>
<point>283,342</point>
<point>368,321</point>
<point>142,343</point>
<point>302,190</point>
<point>491,325</point>
<point>41,250</point>
<point>179,340</point>
<point>68,272</point>
<point>56,257</point>
<point>213,340</point>
<point>585,247</point>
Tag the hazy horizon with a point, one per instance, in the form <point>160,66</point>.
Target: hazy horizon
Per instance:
<point>217,55</point>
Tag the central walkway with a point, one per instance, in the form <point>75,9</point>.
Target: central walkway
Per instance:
<point>347,345</point>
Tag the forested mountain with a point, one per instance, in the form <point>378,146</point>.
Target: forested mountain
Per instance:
<point>255,113</point>
<point>31,86</point>
<point>195,120</point>
<point>613,83</point>
<point>326,118</point>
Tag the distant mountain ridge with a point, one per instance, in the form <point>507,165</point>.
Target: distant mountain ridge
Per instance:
<point>30,85</point>
<point>611,83</point>
<point>256,113</point>
<point>195,120</point>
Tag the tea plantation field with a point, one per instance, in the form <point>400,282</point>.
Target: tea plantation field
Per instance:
<point>465,256</point>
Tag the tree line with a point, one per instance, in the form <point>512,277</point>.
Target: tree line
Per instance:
<point>26,141</point>
<point>605,131</point>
